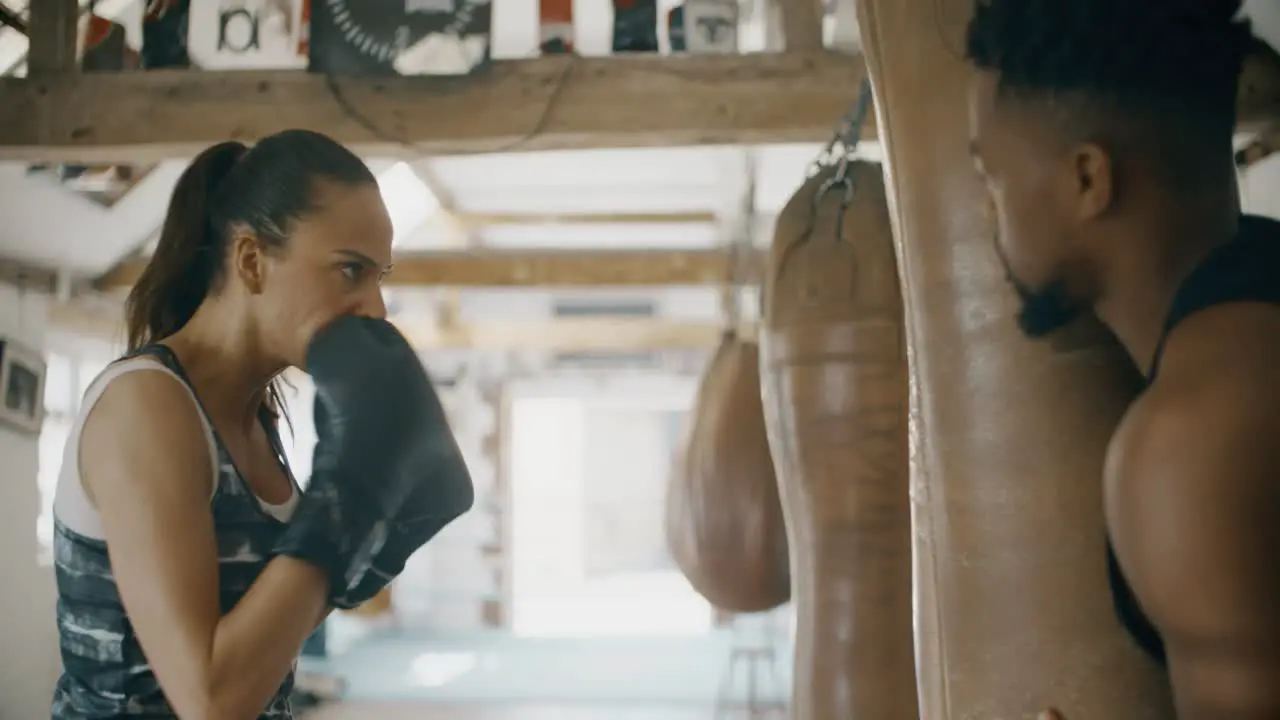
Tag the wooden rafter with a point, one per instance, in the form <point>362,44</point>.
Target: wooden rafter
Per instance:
<point>9,18</point>
<point>475,221</point>
<point>502,268</point>
<point>539,103</point>
<point>569,335</point>
<point>598,334</point>
<point>28,276</point>
<point>52,31</point>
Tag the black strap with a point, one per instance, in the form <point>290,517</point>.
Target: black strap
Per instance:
<point>169,359</point>
<point>1247,269</point>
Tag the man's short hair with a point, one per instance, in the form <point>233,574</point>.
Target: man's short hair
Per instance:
<point>1174,63</point>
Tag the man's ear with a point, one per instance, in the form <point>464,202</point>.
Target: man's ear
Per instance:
<point>1094,181</point>
<point>248,261</point>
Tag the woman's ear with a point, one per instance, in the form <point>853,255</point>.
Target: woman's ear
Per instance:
<point>248,260</point>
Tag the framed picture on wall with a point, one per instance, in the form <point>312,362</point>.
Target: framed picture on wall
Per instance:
<point>22,372</point>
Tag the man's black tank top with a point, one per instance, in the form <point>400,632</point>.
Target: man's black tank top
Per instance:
<point>1247,269</point>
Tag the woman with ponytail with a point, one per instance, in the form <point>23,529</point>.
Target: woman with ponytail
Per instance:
<point>174,486</point>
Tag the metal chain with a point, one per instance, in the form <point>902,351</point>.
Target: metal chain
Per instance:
<point>840,153</point>
<point>739,245</point>
<point>847,133</point>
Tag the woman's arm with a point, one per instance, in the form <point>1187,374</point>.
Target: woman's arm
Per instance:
<point>145,461</point>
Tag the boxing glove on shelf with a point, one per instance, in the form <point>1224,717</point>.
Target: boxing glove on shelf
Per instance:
<point>387,474</point>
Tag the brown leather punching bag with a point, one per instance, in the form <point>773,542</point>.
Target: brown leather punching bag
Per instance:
<point>724,521</point>
<point>1013,613</point>
<point>834,371</point>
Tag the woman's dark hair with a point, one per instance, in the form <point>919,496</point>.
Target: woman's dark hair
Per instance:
<point>1155,65</point>
<point>265,189</point>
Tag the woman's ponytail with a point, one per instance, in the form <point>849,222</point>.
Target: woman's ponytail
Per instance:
<point>188,256</point>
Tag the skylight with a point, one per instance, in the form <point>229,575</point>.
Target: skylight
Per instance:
<point>409,201</point>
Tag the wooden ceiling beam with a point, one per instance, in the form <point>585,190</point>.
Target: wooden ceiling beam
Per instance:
<point>548,268</point>
<point>28,277</point>
<point>567,335</point>
<point>477,221</point>
<point>9,18</point>
<point>597,334</point>
<point>538,103</point>
<point>533,104</point>
<point>52,33</point>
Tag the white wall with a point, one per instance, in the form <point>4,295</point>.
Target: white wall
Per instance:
<point>1260,188</point>
<point>28,638</point>
<point>589,460</point>
<point>626,463</point>
<point>444,586</point>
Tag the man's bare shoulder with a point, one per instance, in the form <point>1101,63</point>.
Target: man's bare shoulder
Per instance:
<point>1193,503</point>
<point>1219,382</point>
<point>1193,477</point>
<point>1215,403</point>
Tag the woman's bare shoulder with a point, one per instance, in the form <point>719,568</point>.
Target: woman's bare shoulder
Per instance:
<point>144,427</point>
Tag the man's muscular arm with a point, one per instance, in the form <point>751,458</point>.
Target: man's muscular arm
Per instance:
<point>1193,503</point>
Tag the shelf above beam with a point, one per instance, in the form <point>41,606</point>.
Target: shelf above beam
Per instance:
<point>556,102</point>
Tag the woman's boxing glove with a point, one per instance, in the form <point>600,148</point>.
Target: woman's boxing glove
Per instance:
<point>445,494</point>
<point>380,439</point>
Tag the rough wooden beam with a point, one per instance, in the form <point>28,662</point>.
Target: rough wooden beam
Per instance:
<point>502,268</point>
<point>616,334</point>
<point>9,18</point>
<point>568,335</point>
<point>52,33</point>
<point>539,103</point>
<point>473,221</point>
<point>28,277</point>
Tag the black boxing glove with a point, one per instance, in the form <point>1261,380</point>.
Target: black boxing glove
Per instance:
<point>379,437</point>
<point>445,494</point>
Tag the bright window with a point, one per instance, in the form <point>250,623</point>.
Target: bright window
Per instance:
<point>66,378</point>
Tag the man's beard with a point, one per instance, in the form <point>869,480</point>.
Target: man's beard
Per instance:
<point>1043,311</point>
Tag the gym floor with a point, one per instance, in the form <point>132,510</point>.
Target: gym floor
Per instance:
<point>506,711</point>
<point>395,673</point>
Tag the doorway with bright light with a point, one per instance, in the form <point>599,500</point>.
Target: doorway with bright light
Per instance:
<point>588,471</point>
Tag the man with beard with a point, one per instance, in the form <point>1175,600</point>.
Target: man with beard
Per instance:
<point>1103,131</point>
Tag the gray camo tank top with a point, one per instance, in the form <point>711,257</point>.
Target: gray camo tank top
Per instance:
<point>105,674</point>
